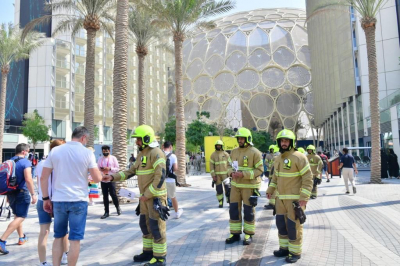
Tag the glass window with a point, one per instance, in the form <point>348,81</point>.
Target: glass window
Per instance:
<point>80,50</point>
<point>58,129</point>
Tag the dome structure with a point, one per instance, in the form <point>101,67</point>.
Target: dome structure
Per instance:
<point>252,70</point>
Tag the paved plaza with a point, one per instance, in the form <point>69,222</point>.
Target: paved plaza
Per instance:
<point>341,229</point>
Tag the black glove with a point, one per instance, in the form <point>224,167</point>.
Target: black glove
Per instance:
<point>274,211</point>
<point>299,213</point>
<point>319,181</point>
<point>138,209</point>
<point>162,210</point>
<point>213,184</point>
<point>254,198</point>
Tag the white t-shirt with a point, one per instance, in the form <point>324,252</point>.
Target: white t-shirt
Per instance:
<point>38,173</point>
<point>70,163</point>
<point>172,159</point>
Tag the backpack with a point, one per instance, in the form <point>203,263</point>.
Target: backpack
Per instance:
<point>168,165</point>
<point>8,179</point>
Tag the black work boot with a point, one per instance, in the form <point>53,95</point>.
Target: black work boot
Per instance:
<point>247,240</point>
<point>281,252</point>
<point>156,262</point>
<point>105,215</point>
<point>119,210</point>
<point>291,258</point>
<point>232,239</point>
<point>221,204</point>
<point>145,256</point>
<point>269,207</point>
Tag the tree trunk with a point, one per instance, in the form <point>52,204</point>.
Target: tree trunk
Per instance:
<point>4,73</point>
<point>374,102</point>
<point>89,85</point>
<point>142,91</point>
<point>180,115</point>
<point>120,84</point>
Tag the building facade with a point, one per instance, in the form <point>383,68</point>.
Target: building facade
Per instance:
<point>56,82</point>
<point>340,70</point>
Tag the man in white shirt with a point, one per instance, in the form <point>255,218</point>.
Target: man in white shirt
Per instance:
<point>71,163</point>
<point>170,181</point>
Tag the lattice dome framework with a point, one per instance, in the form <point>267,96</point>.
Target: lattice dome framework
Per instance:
<point>252,70</point>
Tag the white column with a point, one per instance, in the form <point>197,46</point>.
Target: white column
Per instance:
<point>395,130</point>
<point>344,135</point>
<point>348,123</point>
<point>356,123</point>
<point>338,129</point>
<point>334,132</point>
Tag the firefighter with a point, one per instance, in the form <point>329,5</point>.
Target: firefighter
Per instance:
<point>246,168</point>
<point>301,150</point>
<point>219,162</point>
<point>151,173</point>
<point>274,152</point>
<point>292,178</point>
<point>316,165</point>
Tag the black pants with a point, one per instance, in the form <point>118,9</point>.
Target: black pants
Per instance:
<point>109,188</point>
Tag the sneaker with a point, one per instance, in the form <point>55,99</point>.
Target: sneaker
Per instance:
<point>3,249</point>
<point>178,213</point>
<point>354,190</point>
<point>328,180</point>
<point>45,263</point>
<point>347,192</point>
<point>22,240</point>
<point>64,259</point>
<point>232,239</point>
<point>156,262</point>
<point>269,207</point>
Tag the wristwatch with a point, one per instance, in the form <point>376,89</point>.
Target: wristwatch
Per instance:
<point>46,198</point>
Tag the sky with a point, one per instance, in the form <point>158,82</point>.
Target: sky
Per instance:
<point>7,7</point>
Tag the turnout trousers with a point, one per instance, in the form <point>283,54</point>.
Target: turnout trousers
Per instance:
<point>220,186</point>
<point>153,229</point>
<point>314,191</point>
<point>290,231</point>
<point>238,197</point>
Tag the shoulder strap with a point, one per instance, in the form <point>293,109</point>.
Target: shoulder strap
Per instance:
<point>16,160</point>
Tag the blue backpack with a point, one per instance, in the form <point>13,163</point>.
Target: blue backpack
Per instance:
<point>8,179</point>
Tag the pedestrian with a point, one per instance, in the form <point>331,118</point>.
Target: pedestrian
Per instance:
<point>219,162</point>
<point>187,163</point>
<point>70,164</point>
<point>20,199</point>
<point>292,179</point>
<point>171,180</point>
<point>108,164</point>
<point>384,164</point>
<point>324,159</point>
<point>151,172</point>
<point>348,166</point>
<point>45,218</point>
<point>198,162</point>
<point>393,165</point>
<point>316,166</point>
<point>245,171</point>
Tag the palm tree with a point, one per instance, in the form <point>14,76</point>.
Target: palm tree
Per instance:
<point>181,17</point>
<point>144,32</point>
<point>13,50</point>
<point>72,16</point>
<point>368,9</point>
<point>120,82</point>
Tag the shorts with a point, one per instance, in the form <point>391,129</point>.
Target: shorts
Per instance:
<point>171,189</point>
<point>325,168</point>
<point>19,203</point>
<point>72,214</point>
<point>44,217</point>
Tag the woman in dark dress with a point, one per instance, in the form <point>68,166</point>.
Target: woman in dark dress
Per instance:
<point>393,165</point>
<point>384,164</point>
